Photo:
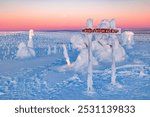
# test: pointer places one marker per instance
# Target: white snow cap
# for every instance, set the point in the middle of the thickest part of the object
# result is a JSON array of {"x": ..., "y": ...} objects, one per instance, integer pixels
[
  {"x": 79, "y": 41},
  {"x": 30, "y": 41},
  {"x": 113, "y": 23},
  {"x": 89, "y": 23},
  {"x": 21, "y": 45},
  {"x": 129, "y": 33},
  {"x": 31, "y": 32},
  {"x": 24, "y": 51},
  {"x": 107, "y": 24},
  {"x": 127, "y": 38},
  {"x": 104, "y": 24}
]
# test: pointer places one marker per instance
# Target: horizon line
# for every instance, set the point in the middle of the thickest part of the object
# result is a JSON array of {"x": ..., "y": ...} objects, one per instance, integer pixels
[{"x": 147, "y": 28}]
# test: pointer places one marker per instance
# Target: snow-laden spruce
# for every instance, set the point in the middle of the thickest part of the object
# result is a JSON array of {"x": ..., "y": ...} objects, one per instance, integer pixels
[
  {"x": 26, "y": 51},
  {"x": 127, "y": 38},
  {"x": 101, "y": 47}
]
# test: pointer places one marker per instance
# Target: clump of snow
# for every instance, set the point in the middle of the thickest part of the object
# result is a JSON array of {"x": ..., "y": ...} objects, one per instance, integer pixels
[
  {"x": 66, "y": 55},
  {"x": 112, "y": 23},
  {"x": 54, "y": 49},
  {"x": 127, "y": 38},
  {"x": 104, "y": 24},
  {"x": 80, "y": 42},
  {"x": 26, "y": 51},
  {"x": 102, "y": 51},
  {"x": 101, "y": 46},
  {"x": 107, "y": 24},
  {"x": 49, "y": 50},
  {"x": 81, "y": 61},
  {"x": 75, "y": 77},
  {"x": 142, "y": 74},
  {"x": 114, "y": 87},
  {"x": 30, "y": 41},
  {"x": 119, "y": 51},
  {"x": 89, "y": 23}
]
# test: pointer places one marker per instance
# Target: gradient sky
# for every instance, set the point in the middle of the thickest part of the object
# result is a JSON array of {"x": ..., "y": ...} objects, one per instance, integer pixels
[{"x": 71, "y": 14}]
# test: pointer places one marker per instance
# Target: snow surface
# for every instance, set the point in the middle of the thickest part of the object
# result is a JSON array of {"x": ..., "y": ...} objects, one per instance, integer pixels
[{"x": 40, "y": 77}]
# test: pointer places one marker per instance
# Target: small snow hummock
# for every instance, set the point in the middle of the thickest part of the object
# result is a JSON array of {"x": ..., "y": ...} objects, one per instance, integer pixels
[
  {"x": 142, "y": 74},
  {"x": 26, "y": 51}
]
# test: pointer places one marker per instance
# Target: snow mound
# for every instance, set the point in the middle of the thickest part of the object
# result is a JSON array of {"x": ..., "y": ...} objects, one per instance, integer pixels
[{"x": 24, "y": 51}]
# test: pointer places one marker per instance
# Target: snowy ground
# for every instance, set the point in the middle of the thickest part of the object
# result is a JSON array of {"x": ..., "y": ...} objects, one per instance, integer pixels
[{"x": 39, "y": 77}]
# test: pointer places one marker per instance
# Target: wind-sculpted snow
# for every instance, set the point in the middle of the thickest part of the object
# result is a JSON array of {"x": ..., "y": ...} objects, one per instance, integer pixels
[{"x": 40, "y": 77}]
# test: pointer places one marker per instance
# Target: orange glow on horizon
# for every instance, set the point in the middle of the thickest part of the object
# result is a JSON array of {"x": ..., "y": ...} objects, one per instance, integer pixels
[{"x": 58, "y": 14}]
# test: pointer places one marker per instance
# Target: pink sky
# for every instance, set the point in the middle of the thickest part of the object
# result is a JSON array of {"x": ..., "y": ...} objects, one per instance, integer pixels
[{"x": 72, "y": 14}]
